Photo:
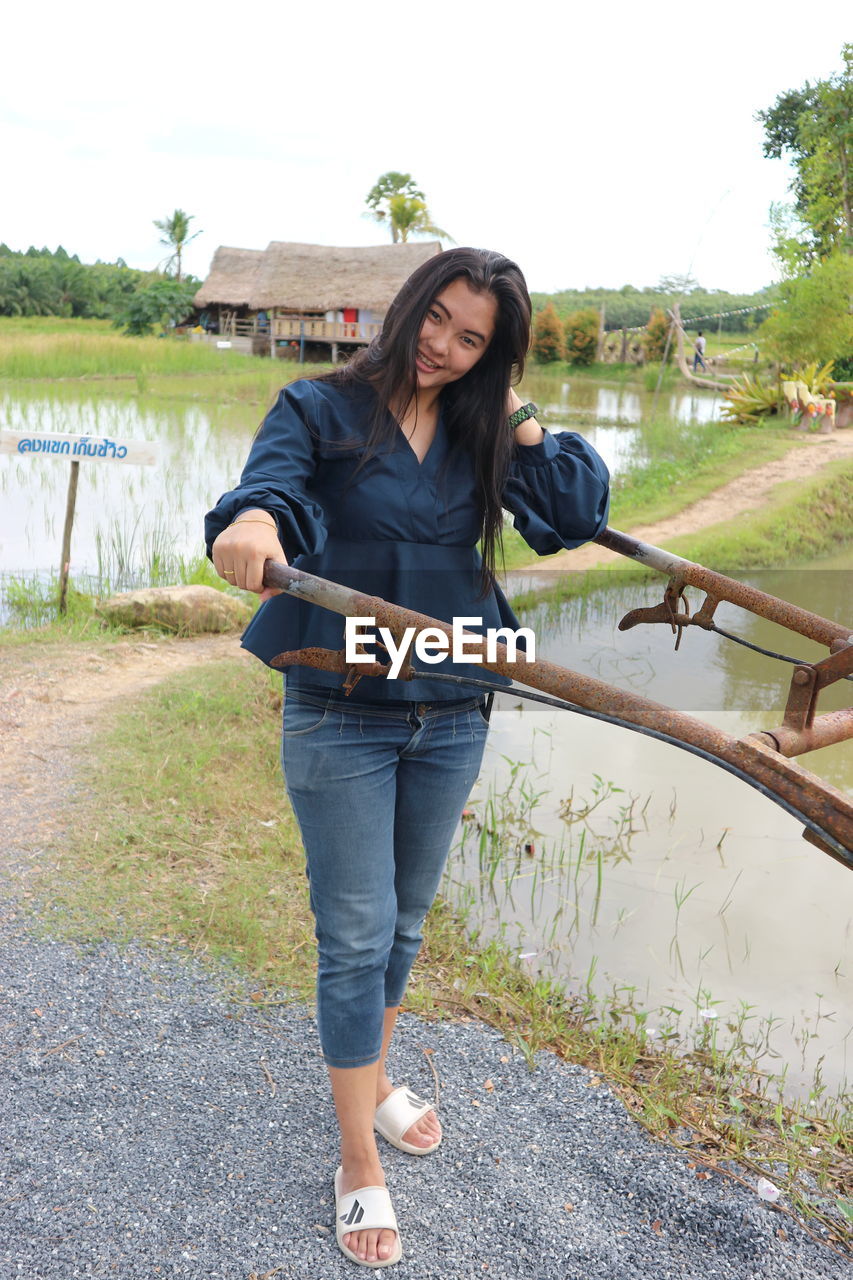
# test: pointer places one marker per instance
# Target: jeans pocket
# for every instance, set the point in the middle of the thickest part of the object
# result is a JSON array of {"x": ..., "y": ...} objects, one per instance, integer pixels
[
  {"x": 480, "y": 711},
  {"x": 302, "y": 718}
]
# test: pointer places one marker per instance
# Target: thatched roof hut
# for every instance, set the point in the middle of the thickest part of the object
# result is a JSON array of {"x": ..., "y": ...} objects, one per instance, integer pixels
[
  {"x": 232, "y": 277},
  {"x": 300, "y": 278}
]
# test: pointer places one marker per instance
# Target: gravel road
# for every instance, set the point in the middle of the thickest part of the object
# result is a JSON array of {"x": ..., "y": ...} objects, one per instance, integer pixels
[{"x": 155, "y": 1127}]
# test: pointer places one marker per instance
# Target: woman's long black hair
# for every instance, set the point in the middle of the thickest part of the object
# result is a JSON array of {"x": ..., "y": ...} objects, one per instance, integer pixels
[{"x": 475, "y": 407}]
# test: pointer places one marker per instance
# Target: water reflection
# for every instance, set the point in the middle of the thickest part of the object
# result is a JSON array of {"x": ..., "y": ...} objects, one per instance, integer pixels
[
  {"x": 609, "y": 415},
  {"x": 764, "y": 918},
  {"x": 575, "y": 400}
]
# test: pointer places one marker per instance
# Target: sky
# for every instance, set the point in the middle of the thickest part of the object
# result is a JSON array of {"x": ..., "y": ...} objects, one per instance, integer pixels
[{"x": 598, "y": 145}]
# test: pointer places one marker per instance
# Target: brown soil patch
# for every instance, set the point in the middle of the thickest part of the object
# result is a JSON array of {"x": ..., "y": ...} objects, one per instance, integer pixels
[
  {"x": 52, "y": 698},
  {"x": 748, "y": 492}
]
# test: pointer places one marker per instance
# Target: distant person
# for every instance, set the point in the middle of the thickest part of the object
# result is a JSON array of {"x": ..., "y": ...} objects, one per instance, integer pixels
[{"x": 699, "y": 352}]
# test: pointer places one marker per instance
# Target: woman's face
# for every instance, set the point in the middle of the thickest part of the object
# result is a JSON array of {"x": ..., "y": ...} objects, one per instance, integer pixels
[{"x": 457, "y": 328}]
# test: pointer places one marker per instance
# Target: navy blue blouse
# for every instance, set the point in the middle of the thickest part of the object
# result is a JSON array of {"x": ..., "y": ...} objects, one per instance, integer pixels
[{"x": 397, "y": 528}]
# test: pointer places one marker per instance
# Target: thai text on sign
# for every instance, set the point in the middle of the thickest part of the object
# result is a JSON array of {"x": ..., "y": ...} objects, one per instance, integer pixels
[{"x": 79, "y": 448}]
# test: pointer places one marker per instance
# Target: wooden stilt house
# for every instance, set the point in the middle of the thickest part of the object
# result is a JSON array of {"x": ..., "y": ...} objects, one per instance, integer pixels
[
  {"x": 289, "y": 295},
  {"x": 223, "y": 299}
]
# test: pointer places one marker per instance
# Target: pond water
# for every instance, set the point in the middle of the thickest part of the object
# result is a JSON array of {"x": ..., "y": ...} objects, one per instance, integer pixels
[
  {"x": 704, "y": 896},
  {"x": 610, "y": 415},
  {"x": 691, "y": 892},
  {"x": 202, "y": 450}
]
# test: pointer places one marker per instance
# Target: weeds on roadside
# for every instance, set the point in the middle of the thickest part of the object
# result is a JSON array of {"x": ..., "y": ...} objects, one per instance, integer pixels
[
  {"x": 31, "y": 601},
  {"x": 688, "y": 1073}
]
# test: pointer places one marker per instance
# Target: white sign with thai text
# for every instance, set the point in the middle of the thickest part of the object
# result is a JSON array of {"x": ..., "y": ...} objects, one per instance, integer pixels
[{"x": 143, "y": 453}]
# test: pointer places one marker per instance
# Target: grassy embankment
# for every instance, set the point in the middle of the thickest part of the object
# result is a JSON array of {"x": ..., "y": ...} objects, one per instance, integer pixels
[
  {"x": 802, "y": 521},
  {"x": 53, "y": 348},
  {"x": 678, "y": 465},
  {"x": 94, "y": 353}
]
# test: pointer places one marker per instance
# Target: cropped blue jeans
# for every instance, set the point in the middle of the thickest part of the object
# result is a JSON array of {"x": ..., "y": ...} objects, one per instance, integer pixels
[{"x": 377, "y": 791}]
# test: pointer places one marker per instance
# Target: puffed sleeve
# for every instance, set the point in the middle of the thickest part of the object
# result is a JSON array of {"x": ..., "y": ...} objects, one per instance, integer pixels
[
  {"x": 276, "y": 476},
  {"x": 558, "y": 491}
]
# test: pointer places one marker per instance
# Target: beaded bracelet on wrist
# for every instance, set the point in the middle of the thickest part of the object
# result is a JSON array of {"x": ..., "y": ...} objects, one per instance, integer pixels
[{"x": 526, "y": 411}]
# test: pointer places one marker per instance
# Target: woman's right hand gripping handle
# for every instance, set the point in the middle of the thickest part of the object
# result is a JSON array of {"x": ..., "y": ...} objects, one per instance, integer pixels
[{"x": 240, "y": 551}]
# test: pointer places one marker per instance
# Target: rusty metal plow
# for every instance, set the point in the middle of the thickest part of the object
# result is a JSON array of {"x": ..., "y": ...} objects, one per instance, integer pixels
[{"x": 759, "y": 759}]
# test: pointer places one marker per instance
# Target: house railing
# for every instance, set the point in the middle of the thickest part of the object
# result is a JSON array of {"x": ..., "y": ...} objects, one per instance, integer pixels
[
  {"x": 294, "y": 328},
  {"x": 231, "y": 327},
  {"x": 297, "y": 328}
]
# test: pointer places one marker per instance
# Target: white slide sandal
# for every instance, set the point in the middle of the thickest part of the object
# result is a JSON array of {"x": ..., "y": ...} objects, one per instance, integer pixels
[
  {"x": 367, "y": 1209},
  {"x": 400, "y": 1110}
]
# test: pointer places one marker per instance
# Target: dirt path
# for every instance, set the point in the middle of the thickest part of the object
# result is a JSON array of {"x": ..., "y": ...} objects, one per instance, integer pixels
[
  {"x": 52, "y": 699},
  {"x": 748, "y": 492}
]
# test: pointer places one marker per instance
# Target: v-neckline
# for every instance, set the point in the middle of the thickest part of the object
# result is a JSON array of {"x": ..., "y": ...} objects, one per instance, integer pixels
[{"x": 421, "y": 462}]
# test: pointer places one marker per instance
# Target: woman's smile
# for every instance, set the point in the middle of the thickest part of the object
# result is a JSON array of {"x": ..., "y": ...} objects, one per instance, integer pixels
[
  {"x": 428, "y": 365},
  {"x": 456, "y": 330}
]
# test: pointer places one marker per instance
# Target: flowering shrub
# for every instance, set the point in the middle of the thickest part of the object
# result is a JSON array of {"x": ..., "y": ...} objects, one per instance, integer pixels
[
  {"x": 581, "y": 336},
  {"x": 654, "y": 339},
  {"x": 547, "y": 335}
]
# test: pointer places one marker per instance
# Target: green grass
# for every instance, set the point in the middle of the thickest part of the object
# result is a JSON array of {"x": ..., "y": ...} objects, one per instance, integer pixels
[
  {"x": 31, "y": 601},
  {"x": 50, "y": 349},
  {"x": 168, "y": 852},
  {"x": 103, "y": 354},
  {"x": 158, "y": 849},
  {"x": 622, "y": 374},
  {"x": 29, "y": 326},
  {"x": 679, "y": 464},
  {"x": 802, "y": 521},
  {"x": 683, "y": 463}
]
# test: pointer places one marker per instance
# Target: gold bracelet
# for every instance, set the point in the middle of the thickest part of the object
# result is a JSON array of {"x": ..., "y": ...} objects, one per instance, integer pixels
[{"x": 254, "y": 520}]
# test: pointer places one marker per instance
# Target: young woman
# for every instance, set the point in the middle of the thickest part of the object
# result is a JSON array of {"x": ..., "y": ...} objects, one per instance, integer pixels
[{"x": 385, "y": 476}]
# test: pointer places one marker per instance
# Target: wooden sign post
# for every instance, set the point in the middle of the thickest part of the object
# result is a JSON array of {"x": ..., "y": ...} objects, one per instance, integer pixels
[{"x": 77, "y": 448}]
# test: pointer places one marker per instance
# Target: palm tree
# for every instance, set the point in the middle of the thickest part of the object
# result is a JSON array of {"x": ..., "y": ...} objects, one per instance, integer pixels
[
  {"x": 176, "y": 237},
  {"x": 395, "y": 200},
  {"x": 409, "y": 216},
  {"x": 384, "y": 190}
]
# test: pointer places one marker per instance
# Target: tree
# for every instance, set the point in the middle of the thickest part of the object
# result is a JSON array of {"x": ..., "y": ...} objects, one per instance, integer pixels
[
  {"x": 176, "y": 236},
  {"x": 816, "y": 322},
  {"x": 410, "y": 217},
  {"x": 158, "y": 305},
  {"x": 547, "y": 345},
  {"x": 678, "y": 286},
  {"x": 813, "y": 126},
  {"x": 654, "y": 339},
  {"x": 395, "y": 200},
  {"x": 581, "y": 336}
]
